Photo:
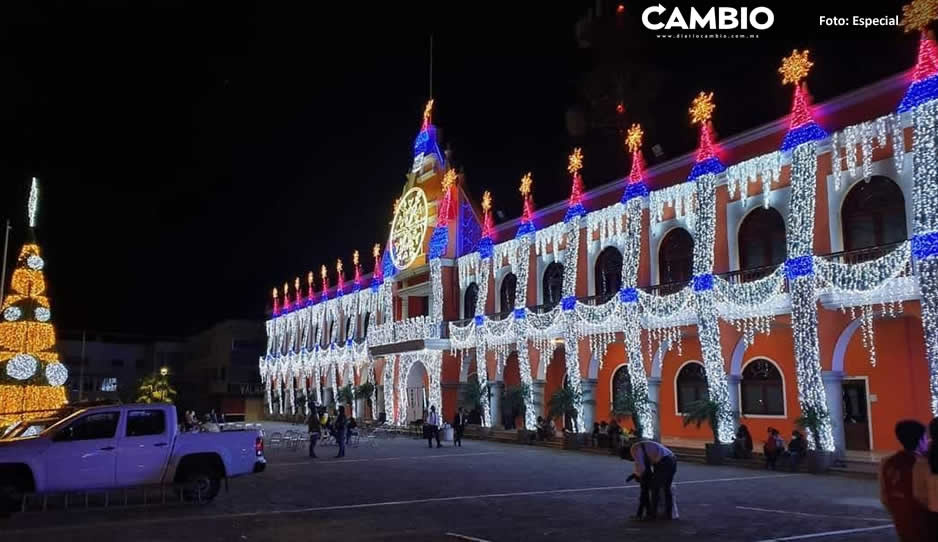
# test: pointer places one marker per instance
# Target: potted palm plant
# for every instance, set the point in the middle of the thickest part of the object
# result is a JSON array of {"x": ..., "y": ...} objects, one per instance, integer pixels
[
  {"x": 366, "y": 390},
  {"x": 629, "y": 404},
  {"x": 708, "y": 411},
  {"x": 516, "y": 399},
  {"x": 812, "y": 419},
  {"x": 346, "y": 395}
]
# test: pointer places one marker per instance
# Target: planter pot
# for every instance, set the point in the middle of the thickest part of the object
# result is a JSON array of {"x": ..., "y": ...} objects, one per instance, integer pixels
[
  {"x": 574, "y": 441},
  {"x": 716, "y": 452},
  {"x": 447, "y": 434},
  {"x": 818, "y": 462}
]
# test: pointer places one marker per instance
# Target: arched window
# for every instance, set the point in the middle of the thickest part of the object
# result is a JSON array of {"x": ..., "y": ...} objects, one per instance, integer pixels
[
  {"x": 507, "y": 292},
  {"x": 608, "y": 273},
  {"x": 761, "y": 389},
  {"x": 469, "y": 301},
  {"x": 621, "y": 385},
  {"x": 761, "y": 241},
  {"x": 691, "y": 385},
  {"x": 873, "y": 214},
  {"x": 365, "y": 324},
  {"x": 676, "y": 257},
  {"x": 553, "y": 284}
]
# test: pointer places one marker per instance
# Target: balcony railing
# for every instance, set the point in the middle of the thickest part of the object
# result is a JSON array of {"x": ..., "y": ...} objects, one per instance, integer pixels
[
  {"x": 861, "y": 255},
  {"x": 749, "y": 274}
]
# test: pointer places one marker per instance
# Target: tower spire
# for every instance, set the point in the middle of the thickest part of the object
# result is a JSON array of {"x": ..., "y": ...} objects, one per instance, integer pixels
[
  {"x": 795, "y": 68},
  {"x": 916, "y": 16},
  {"x": 575, "y": 205},
  {"x": 706, "y": 161},
  {"x": 635, "y": 188}
]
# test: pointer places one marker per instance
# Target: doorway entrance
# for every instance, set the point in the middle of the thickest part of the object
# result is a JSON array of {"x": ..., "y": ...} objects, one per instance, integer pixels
[
  {"x": 856, "y": 414},
  {"x": 416, "y": 392}
]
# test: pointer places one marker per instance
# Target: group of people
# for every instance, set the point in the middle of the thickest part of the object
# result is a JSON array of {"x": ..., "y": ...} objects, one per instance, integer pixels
[
  {"x": 908, "y": 482},
  {"x": 773, "y": 447},
  {"x": 609, "y": 435},
  {"x": 340, "y": 427},
  {"x": 432, "y": 426}
]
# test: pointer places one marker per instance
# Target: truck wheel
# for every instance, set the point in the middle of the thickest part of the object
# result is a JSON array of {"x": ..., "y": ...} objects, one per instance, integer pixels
[
  {"x": 10, "y": 496},
  {"x": 201, "y": 485}
]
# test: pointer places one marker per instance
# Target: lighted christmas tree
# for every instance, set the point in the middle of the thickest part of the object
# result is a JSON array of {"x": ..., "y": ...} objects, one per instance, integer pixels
[
  {"x": 488, "y": 227},
  {"x": 636, "y": 186},
  {"x": 916, "y": 16},
  {"x": 802, "y": 128},
  {"x": 32, "y": 378},
  {"x": 706, "y": 161},
  {"x": 575, "y": 205},
  {"x": 527, "y": 214}
]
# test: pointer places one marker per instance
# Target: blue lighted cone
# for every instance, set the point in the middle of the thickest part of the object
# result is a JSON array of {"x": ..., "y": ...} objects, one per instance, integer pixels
[{"x": 806, "y": 132}]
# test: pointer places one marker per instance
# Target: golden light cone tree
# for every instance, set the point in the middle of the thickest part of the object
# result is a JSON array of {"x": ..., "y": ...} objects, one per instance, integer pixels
[{"x": 31, "y": 376}]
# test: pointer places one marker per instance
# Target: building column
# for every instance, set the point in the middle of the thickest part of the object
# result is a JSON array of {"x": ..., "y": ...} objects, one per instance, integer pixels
[
  {"x": 732, "y": 384},
  {"x": 588, "y": 387},
  {"x": 537, "y": 397},
  {"x": 834, "y": 392},
  {"x": 654, "y": 395},
  {"x": 496, "y": 389}
]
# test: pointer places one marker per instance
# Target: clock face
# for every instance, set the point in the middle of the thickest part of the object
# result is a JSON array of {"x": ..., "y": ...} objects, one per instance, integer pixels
[{"x": 408, "y": 228}]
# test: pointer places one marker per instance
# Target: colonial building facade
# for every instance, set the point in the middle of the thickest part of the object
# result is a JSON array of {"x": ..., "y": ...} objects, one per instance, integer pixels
[{"x": 781, "y": 271}]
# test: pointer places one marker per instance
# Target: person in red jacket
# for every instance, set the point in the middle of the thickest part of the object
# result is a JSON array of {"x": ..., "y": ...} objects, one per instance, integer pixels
[{"x": 896, "y": 487}]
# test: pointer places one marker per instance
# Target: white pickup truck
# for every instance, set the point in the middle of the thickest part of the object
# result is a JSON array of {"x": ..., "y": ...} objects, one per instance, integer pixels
[{"x": 123, "y": 446}]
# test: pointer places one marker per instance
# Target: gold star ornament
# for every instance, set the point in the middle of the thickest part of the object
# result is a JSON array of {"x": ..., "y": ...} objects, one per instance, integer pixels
[
  {"x": 918, "y": 14},
  {"x": 576, "y": 161},
  {"x": 338, "y": 266},
  {"x": 376, "y": 251},
  {"x": 526, "y": 183},
  {"x": 795, "y": 67},
  {"x": 323, "y": 273},
  {"x": 487, "y": 201},
  {"x": 701, "y": 109},
  {"x": 633, "y": 140},
  {"x": 355, "y": 258}
]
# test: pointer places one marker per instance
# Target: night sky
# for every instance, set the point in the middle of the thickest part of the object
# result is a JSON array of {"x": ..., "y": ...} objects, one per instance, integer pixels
[{"x": 193, "y": 155}]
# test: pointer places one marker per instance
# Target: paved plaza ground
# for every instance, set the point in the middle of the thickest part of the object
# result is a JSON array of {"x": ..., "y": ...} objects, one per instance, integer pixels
[{"x": 401, "y": 490}]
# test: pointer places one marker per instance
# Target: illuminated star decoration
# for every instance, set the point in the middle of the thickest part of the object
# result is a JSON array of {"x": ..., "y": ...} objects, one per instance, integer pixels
[
  {"x": 296, "y": 293},
  {"x": 286, "y": 298},
  {"x": 276, "y": 303},
  {"x": 488, "y": 227},
  {"x": 802, "y": 127},
  {"x": 701, "y": 110},
  {"x": 340, "y": 288},
  {"x": 924, "y": 88},
  {"x": 795, "y": 67},
  {"x": 32, "y": 207},
  {"x": 575, "y": 207},
  {"x": 918, "y": 14},
  {"x": 636, "y": 187},
  {"x": 706, "y": 161},
  {"x": 527, "y": 213},
  {"x": 575, "y": 162}
]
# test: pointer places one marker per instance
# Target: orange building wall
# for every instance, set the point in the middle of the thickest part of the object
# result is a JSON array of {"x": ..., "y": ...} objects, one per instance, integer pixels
[{"x": 899, "y": 380}]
